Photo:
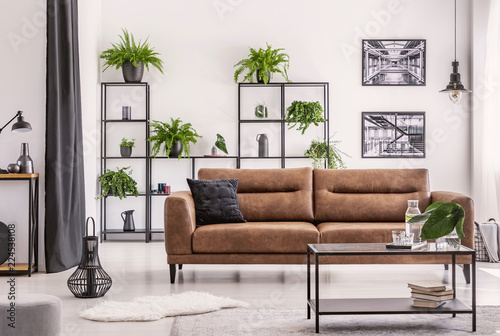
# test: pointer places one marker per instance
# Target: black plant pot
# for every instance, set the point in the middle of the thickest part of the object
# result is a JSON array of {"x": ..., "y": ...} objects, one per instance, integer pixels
[
  {"x": 132, "y": 74},
  {"x": 125, "y": 151},
  {"x": 176, "y": 149},
  {"x": 261, "y": 81}
]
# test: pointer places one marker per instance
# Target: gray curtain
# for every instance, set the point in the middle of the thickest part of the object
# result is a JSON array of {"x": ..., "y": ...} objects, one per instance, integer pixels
[{"x": 64, "y": 182}]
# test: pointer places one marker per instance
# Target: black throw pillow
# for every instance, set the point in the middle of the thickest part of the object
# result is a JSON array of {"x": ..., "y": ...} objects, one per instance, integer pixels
[{"x": 215, "y": 201}]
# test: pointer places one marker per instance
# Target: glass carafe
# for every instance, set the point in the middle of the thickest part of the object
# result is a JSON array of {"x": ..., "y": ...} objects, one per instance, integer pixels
[{"x": 411, "y": 212}]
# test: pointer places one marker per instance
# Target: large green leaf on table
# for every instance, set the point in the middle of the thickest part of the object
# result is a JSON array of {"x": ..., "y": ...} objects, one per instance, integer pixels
[{"x": 442, "y": 218}]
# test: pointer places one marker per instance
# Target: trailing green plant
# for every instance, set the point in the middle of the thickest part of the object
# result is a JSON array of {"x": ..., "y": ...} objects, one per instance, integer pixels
[
  {"x": 304, "y": 113},
  {"x": 318, "y": 151},
  {"x": 439, "y": 219},
  {"x": 266, "y": 61},
  {"x": 118, "y": 182},
  {"x": 221, "y": 143},
  {"x": 165, "y": 135},
  {"x": 128, "y": 51},
  {"x": 127, "y": 143}
]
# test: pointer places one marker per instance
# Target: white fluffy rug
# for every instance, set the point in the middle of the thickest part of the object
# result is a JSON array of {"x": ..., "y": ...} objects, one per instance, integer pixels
[{"x": 150, "y": 308}]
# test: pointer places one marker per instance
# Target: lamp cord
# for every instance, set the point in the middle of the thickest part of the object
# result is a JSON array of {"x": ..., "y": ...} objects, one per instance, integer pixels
[{"x": 455, "y": 30}]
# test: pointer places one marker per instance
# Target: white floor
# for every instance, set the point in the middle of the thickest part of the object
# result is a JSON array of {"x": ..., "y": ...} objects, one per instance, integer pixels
[{"x": 139, "y": 269}]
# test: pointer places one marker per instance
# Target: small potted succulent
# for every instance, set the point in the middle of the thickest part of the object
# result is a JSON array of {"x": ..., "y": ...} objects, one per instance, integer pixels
[
  {"x": 318, "y": 151},
  {"x": 131, "y": 57},
  {"x": 175, "y": 138},
  {"x": 264, "y": 63},
  {"x": 126, "y": 147},
  {"x": 118, "y": 183},
  {"x": 260, "y": 111},
  {"x": 304, "y": 113}
]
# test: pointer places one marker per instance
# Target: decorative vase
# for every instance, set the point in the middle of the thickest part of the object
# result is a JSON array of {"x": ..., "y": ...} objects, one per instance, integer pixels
[
  {"x": 450, "y": 242},
  {"x": 125, "y": 151},
  {"x": 263, "y": 145},
  {"x": 128, "y": 220},
  {"x": 89, "y": 280},
  {"x": 126, "y": 112},
  {"x": 176, "y": 149},
  {"x": 24, "y": 161},
  {"x": 13, "y": 168},
  {"x": 260, "y": 81},
  {"x": 261, "y": 111},
  {"x": 132, "y": 74}
]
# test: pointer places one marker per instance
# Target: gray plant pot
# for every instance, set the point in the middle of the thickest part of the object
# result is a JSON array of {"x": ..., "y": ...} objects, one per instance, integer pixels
[
  {"x": 132, "y": 74},
  {"x": 125, "y": 151},
  {"x": 176, "y": 149}
]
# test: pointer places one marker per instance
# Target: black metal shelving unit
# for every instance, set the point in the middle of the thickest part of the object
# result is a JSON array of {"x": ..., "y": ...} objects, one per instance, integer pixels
[
  {"x": 283, "y": 86},
  {"x": 146, "y": 194}
]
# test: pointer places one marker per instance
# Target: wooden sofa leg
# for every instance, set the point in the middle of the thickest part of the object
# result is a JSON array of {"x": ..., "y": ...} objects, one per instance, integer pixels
[
  {"x": 467, "y": 273},
  {"x": 180, "y": 266},
  {"x": 172, "y": 273},
  {"x": 446, "y": 267}
]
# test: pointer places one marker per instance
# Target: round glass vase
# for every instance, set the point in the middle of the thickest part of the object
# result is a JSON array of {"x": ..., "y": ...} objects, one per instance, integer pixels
[{"x": 450, "y": 242}]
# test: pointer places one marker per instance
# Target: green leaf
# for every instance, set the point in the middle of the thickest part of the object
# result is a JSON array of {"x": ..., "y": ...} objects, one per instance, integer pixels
[
  {"x": 443, "y": 218},
  {"x": 221, "y": 143},
  {"x": 304, "y": 113},
  {"x": 119, "y": 182}
]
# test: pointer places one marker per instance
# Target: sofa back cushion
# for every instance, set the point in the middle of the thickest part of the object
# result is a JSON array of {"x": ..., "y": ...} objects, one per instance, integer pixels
[
  {"x": 270, "y": 194},
  {"x": 368, "y": 195}
]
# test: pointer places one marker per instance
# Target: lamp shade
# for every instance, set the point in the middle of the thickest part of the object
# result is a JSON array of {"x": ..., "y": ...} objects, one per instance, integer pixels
[
  {"x": 455, "y": 88},
  {"x": 21, "y": 125}
]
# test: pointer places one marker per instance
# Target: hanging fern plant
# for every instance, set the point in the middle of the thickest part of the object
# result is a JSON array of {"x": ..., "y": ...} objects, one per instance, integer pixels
[
  {"x": 304, "y": 113},
  {"x": 319, "y": 150}
]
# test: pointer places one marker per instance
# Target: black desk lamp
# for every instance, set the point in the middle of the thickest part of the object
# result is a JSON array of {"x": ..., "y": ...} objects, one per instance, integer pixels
[{"x": 19, "y": 126}]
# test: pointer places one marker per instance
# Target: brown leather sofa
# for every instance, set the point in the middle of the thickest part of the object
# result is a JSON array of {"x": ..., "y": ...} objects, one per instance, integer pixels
[{"x": 286, "y": 209}]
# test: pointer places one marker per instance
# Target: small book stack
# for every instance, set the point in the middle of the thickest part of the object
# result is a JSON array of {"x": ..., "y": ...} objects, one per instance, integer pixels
[{"x": 429, "y": 295}]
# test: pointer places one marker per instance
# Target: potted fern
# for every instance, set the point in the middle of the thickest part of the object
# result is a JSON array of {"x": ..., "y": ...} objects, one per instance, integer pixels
[
  {"x": 118, "y": 183},
  {"x": 175, "y": 138},
  {"x": 304, "y": 113},
  {"x": 319, "y": 150},
  {"x": 131, "y": 57},
  {"x": 264, "y": 63},
  {"x": 126, "y": 147}
]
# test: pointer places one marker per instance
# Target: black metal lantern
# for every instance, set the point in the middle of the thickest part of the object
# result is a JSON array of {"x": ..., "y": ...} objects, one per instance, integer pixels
[{"x": 89, "y": 280}]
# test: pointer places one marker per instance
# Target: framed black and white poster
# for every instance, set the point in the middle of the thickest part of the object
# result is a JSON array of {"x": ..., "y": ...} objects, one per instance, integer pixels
[
  {"x": 394, "y": 62},
  {"x": 393, "y": 135}
]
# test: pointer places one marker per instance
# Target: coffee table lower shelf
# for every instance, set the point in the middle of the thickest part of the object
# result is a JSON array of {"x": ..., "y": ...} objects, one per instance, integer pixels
[{"x": 376, "y": 306}]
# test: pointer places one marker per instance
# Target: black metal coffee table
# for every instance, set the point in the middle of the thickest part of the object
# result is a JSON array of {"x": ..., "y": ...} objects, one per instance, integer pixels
[{"x": 383, "y": 305}]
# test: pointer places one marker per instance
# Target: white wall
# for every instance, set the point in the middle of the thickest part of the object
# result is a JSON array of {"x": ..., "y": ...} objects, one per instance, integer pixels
[{"x": 23, "y": 48}]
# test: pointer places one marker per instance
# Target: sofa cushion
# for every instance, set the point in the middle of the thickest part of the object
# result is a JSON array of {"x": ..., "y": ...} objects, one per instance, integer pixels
[
  {"x": 215, "y": 201},
  {"x": 353, "y": 232},
  {"x": 255, "y": 237},
  {"x": 270, "y": 194},
  {"x": 368, "y": 195}
]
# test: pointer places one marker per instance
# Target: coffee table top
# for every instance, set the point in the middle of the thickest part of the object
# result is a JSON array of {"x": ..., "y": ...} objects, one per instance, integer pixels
[{"x": 378, "y": 249}]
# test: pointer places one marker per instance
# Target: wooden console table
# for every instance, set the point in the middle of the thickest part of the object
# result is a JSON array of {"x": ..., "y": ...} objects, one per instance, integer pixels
[{"x": 32, "y": 265}]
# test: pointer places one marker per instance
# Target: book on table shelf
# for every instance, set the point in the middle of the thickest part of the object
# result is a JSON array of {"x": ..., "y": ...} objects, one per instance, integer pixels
[
  {"x": 427, "y": 286},
  {"x": 438, "y": 293},
  {"x": 437, "y": 298},
  {"x": 427, "y": 303}
]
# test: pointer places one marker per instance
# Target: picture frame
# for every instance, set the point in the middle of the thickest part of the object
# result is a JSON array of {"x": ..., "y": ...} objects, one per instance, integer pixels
[
  {"x": 393, "y": 135},
  {"x": 393, "y": 62}
]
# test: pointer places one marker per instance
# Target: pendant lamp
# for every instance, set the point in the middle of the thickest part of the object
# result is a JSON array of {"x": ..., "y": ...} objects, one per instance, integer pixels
[{"x": 455, "y": 88}]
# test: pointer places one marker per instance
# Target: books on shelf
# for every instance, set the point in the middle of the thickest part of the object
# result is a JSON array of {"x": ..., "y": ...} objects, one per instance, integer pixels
[
  {"x": 432, "y": 297},
  {"x": 427, "y": 303},
  {"x": 427, "y": 286},
  {"x": 429, "y": 294}
]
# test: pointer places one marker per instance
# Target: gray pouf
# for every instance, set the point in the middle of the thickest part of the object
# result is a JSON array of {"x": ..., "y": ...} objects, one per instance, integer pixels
[{"x": 35, "y": 314}]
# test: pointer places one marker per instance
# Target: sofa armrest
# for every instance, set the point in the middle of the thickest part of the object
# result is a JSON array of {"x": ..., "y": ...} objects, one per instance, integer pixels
[
  {"x": 180, "y": 222},
  {"x": 466, "y": 203}
]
